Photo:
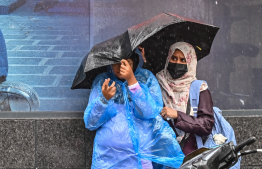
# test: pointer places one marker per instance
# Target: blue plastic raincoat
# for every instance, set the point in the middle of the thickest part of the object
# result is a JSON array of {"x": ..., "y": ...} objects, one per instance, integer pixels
[
  {"x": 129, "y": 127},
  {"x": 3, "y": 56}
]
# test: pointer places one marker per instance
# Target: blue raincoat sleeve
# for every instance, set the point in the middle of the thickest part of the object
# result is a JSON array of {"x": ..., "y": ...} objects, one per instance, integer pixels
[
  {"x": 99, "y": 110},
  {"x": 147, "y": 102}
]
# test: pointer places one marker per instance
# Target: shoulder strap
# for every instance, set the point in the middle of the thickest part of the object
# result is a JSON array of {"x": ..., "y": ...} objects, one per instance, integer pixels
[
  {"x": 194, "y": 100},
  {"x": 194, "y": 94}
]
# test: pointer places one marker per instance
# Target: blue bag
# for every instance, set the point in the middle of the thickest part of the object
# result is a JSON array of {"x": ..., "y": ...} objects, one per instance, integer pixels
[{"x": 221, "y": 126}]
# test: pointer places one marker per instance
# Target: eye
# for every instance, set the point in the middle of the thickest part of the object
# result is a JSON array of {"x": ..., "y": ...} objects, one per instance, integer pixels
[
  {"x": 183, "y": 60},
  {"x": 174, "y": 58},
  {"x": 130, "y": 63},
  {"x": 115, "y": 66}
]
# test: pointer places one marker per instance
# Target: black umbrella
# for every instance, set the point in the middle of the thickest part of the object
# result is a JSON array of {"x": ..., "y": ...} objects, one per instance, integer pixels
[{"x": 155, "y": 35}]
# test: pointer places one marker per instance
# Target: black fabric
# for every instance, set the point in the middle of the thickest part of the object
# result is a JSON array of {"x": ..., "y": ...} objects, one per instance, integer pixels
[
  {"x": 135, "y": 58},
  {"x": 176, "y": 70},
  {"x": 188, "y": 107},
  {"x": 99, "y": 57}
]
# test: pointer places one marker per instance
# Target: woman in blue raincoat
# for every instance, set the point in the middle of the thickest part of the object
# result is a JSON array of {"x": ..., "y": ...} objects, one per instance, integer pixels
[{"x": 124, "y": 108}]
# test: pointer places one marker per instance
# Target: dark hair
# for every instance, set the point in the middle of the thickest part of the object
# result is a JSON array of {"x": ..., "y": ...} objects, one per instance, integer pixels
[{"x": 135, "y": 58}]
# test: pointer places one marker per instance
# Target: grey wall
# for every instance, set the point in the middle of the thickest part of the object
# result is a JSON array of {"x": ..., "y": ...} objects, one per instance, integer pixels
[
  {"x": 110, "y": 18},
  {"x": 233, "y": 67},
  {"x": 46, "y": 143},
  {"x": 235, "y": 62},
  {"x": 63, "y": 142}
]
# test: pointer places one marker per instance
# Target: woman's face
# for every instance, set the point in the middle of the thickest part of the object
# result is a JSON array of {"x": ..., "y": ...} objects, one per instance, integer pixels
[
  {"x": 178, "y": 57},
  {"x": 116, "y": 68}
]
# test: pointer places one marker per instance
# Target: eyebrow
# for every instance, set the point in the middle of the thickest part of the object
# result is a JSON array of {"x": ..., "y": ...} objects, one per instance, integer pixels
[{"x": 183, "y": 56}]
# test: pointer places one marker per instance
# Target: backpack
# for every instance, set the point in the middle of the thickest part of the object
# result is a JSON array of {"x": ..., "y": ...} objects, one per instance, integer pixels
[{"x": 221, "y": 126}]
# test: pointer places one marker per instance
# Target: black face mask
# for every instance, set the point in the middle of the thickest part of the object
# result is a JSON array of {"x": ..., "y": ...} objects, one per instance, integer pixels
[{"x": 176, "y": 70}]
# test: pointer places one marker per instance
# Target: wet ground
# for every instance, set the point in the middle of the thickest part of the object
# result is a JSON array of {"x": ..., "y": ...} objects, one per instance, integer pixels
[{"x": 44, "y": 51}]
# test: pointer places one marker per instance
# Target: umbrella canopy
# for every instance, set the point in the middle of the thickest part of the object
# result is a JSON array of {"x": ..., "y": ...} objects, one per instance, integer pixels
[{"x": 155, "y": 35}]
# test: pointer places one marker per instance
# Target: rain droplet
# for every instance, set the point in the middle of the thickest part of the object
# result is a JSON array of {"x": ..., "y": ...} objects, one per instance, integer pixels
[{"x": 242, "y": 101}]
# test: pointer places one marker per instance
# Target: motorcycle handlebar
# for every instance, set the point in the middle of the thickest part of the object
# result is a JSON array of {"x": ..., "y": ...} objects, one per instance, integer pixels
[{"x": 247, "y": 142}]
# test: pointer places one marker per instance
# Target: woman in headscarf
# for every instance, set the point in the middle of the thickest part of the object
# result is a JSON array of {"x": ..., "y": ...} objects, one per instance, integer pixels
[{"x": 175, "y": 81}]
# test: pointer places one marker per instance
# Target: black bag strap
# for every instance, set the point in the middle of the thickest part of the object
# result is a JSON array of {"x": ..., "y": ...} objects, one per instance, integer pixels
[{"x": 188, "y": 107}]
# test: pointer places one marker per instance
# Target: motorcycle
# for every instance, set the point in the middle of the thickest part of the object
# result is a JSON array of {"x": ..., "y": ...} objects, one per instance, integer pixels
[{"x": 222, "y": 157}]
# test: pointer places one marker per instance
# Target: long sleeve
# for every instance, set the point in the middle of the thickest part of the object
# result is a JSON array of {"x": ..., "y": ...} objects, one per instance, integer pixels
[
  {"x": 203, "y": 124},
  {"x": 147, "y": 101},
  {"x": 99, "y": 110}
]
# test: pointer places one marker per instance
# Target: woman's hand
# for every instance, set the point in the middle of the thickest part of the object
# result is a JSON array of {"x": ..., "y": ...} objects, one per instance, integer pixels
[
  {"x": 127, "y": 72},
  {"x": 107, "y": 91},
  {"x": 168, "y": 113}
]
